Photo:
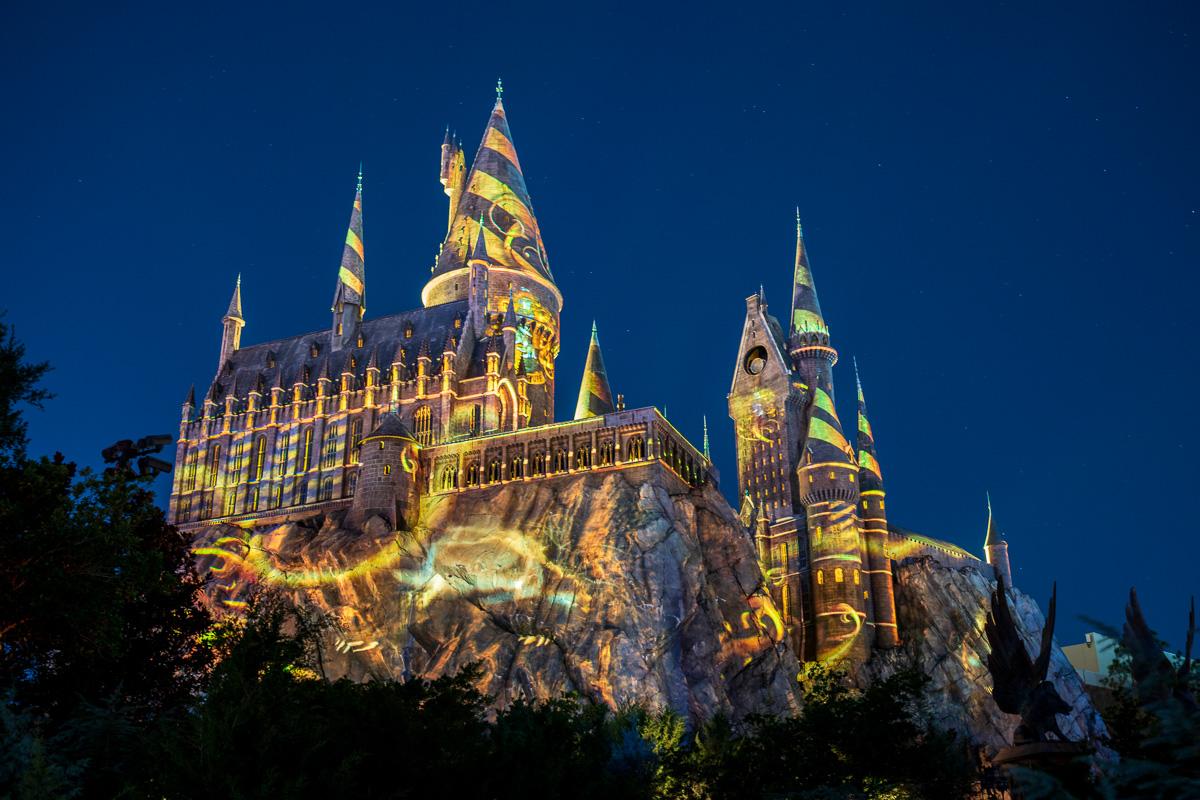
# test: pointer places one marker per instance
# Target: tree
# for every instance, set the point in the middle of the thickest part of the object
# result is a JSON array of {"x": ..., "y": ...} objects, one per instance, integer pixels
[{"x": 18, "y": 387}]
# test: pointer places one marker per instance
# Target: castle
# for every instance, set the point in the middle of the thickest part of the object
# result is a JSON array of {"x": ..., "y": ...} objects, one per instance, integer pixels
[{"x": 371, "y": 415}]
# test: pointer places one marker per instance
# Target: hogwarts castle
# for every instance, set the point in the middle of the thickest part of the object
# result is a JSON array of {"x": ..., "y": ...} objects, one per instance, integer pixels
[{"x": 375, "y": 421}]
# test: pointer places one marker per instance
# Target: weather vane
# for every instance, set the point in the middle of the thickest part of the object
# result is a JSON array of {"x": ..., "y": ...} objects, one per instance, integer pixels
[{"x": 499, "y": 89}]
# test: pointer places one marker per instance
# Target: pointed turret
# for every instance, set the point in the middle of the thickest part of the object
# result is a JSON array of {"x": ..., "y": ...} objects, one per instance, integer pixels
[
  {"x": 873, "y": 515},
  {"x": 232, "y": 324},
  {"x": 995, "y": 547},
  {"x": 807, "y": 318},
  {"x": 595, "y": 395},
  {"x": 349, "y": 296},
  {"x": 494, "y": 191},
  {"x": 870, "y": 475},
  {"x": 707, "y": 455}
]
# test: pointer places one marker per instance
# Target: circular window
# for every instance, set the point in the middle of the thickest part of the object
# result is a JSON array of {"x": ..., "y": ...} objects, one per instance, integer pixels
[{"x": 756, "y": 360}]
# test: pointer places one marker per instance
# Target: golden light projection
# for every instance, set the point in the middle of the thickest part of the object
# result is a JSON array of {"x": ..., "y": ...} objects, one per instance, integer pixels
[{"x": 850, "y": 616}]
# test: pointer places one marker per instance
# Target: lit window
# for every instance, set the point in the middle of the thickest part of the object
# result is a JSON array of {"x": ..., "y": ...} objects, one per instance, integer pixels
[
  {"x": 821, "y": 577},
  {"x": 838, "y": 575},
  {"x": 856, "y": 577}
]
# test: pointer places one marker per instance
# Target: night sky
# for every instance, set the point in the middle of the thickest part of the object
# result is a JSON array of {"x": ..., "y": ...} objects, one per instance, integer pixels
[{"x": 1001, "y": 206}]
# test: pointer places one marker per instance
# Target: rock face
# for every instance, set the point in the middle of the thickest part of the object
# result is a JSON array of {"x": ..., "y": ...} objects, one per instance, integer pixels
[
  {"x": 624, "y": 586},
  {"x": 941, "y": 615}
]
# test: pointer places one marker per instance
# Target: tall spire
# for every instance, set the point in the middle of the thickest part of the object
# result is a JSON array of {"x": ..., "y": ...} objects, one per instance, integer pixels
[
  {"x": 994, "y": 536},
  {"x": 351, "y": 284},
  {"x": 495, "y": 192},
  {"x": 707, "y": 455},
  {"x": 235, "y": 302},
  {"x": 826, "y": 442},
  {"x": 870, "y": 476},
  {"x": 595, "y": 395},
  {"x": 807, "y": 319}
]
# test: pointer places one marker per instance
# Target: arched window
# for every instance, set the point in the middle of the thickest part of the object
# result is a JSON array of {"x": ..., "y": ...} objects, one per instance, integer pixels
[
  {"x": 354, "y": 441},
  {"x": 606, "y": 453},
  {"x": 560, "y": 460},
  {"x": 301, "y": 493},
  {"x": 473, "y": 474},
  {"x": 516, "y": 468},
  {"x": 387, "y": 469},
  {"x": 838, "y": 575},
  {"x": 277, "y": 496},
  {"x": 449, "y": 478},
  {"x": 282, "y": 445},
  {"x": 856, "y": 577},
  {"x": 231, "y": 503},
  {"x": 189, "y": 470},
  {"x": 583, "y": 457},
  {"x": 493, "y": 470},
  {"x": 538, "y": 464},
  {"x": 206, "y": 506},
  {"x": 329, "y": 451},
  {"x": 260, "y": 460},
  {"x": 821, "y": 577},
  {"x": 351, "y": 484},
  {"x": 635, "y": 449},
  {"x": 326, "y": 490},
  {"x": 476, "y": 420},
  {"x": 214, "y": 464},
  {"x": 305, "y": 460},
  {"x": 423, "y": 424}
]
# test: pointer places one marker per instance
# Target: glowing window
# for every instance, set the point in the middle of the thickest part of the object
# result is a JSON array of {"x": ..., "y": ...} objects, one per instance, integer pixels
[
  {"x": 387, "y": 469},
  {"x": 423, "y": 423},
  {"x": 855, "y": 577},
  {"x": 821, "y": 577},
  {"x": 838, "y": 575},
  {"x": 230, "y": 503}
]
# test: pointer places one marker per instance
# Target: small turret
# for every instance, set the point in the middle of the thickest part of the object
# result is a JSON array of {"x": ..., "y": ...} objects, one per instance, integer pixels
[
  {"x": 189, "y": 404},
  {"x": 387, "y": 479},
  {"x": 453, "y": 170},
  {"x": 873, "y": 514},
  {"x": 995, "y": 547},
  {"x": 232, "y": 324},
  {"x": 349, "y": 296},
  {"x": 595, "y": 395}
]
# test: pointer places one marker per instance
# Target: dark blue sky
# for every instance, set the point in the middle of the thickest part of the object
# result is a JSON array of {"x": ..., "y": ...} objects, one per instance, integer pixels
[{"x": 1001, "y": 205}]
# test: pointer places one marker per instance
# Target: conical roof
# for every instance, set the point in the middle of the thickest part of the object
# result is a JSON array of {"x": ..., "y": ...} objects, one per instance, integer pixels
[
  {"x": 806, "y": 308},
  {"x": 391, "y": 427},
  {"x": 994, "y": 535},
  {"x": 595, "y": 395},
  {"x": 352, "y": 274},
  {"x": 870, "y": 475},
  {"x": 235, "y": 302},
  {"x": 826, "y": 443},
  {"x": 495, "y": 205}
]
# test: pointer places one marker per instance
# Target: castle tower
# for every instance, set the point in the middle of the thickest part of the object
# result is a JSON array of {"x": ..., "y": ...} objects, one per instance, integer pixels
[
  {"x": 873, "y": 514},
  {"x": 766, "y": 405},
  {"x": 349, "y": 297},
  {"x": 477, "y": 280},
  {"x": 595, "y": 395},
  {"x": 828, "y": 479},
  {"x": 232, "y": 324},
  {"x": 387, "y": 479},
  {"x": 995, "y": 548},
  {"x": 494, "y": 204}
]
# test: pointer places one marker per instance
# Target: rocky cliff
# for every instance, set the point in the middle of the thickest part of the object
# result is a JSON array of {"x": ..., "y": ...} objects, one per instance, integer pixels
[
  {"x": 623, "y": 586},
  {"x": 941, "y": 614}
]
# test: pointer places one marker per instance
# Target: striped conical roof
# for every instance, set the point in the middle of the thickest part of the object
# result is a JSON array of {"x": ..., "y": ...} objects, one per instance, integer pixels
[
  {"x": 806, "y": 308},
  {"x": 496, "y": 197},
  {"x": 870, "y": 476},
  {"x": 352, "y": 274},
  {"x": 826, "y": 443}
]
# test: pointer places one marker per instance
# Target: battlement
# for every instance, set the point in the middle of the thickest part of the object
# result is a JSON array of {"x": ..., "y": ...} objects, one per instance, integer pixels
[{"x": 607, "y": 442}]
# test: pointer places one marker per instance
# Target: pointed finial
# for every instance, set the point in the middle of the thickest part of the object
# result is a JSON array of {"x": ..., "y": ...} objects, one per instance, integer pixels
[
  {"x": 593, "y": 329},
  {"x": 857, "y": 380},
  {"x": 988, "y": 495},
  {"x": 239, "y": 280},
  {"x": 707, "y": 457},
  {"x": 762, "y": 295},
  {"x": 499, "y": 90},
  {"x": 358, "y": 188},
  {"x": 799, "y": 227}
]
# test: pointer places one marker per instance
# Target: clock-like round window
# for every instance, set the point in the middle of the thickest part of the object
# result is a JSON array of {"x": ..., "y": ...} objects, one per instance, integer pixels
[{"x": 756, "y": 360}]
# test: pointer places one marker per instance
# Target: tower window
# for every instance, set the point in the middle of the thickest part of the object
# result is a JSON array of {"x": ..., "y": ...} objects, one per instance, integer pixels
[
  {"x": 838, "y": 574},
  {"x": 821, "y": 577},
  {"x": 756, "y": 360},
  {"x": 856, "y": 577}
]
